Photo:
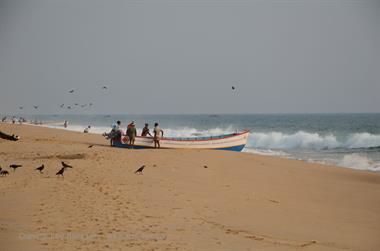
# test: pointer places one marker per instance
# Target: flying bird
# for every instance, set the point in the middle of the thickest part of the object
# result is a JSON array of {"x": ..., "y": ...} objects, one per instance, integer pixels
[
  {"x": 68, "y": 107},
  {"x": 104, "y": 88},
  {"x": 140, "y": 170},
  {"x": 40, "y": 168},
  {"x": 233, "y": 87},
  {"x": 62, "y": 105},
  {"x": 71, "y": 91},
  {"x": 14, "y": 166},
  {"x": 61, "y": 171},
  {"x": 66, "y": 165},
  {"x": 35, "y": 106},
  {"x": 20, "y": 107}
]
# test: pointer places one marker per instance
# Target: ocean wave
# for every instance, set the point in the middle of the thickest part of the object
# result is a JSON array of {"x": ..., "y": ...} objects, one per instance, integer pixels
[
  {"x": 265, "y": 140},
  {"x": 360, "y": 162},
  {"x": 306, "y": 140}
]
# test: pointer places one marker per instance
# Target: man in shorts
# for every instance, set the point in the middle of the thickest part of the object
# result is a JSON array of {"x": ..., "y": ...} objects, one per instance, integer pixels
[{"x": 158, "y": 133}]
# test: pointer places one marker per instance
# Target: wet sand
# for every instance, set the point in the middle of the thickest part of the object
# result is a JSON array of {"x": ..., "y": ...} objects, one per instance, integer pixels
[{"x": 240, "y": 201}]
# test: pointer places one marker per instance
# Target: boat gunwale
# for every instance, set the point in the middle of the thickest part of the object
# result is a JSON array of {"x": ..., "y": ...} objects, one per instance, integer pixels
[{"x": 200, "y": 139}]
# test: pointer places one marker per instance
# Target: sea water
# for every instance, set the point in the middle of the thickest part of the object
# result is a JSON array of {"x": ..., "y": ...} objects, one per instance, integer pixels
[{"x": 347, "y": 140}]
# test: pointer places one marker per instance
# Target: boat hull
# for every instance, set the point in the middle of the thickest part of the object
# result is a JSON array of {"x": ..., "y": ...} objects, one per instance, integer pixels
[{"x": 230, "y": 142}]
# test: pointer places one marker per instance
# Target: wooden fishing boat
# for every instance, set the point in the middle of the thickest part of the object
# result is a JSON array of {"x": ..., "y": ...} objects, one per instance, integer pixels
[{"x": 230, "y": 142}]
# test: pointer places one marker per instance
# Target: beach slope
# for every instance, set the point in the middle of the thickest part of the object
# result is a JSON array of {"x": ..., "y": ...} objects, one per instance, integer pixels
[{"x": 184, "y": 200}]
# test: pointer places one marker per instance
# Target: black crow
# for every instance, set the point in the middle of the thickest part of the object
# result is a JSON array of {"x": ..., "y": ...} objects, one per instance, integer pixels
[
  {"x": 140, "y": 170},
  {"x": 66, "y": 165},
  {"x": 4, "y": 173},
  {"x": 233, "y": 87},
  {"x": 14, "y": 166},
  {"x": 61, "y": 171},
  {"x": 40, "y": 168}
]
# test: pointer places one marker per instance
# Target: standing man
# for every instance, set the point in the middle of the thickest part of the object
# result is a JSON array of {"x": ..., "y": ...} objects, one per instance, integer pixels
[
  {"x": 131, "y": 133},
  {"x": 158, "y": 133}
]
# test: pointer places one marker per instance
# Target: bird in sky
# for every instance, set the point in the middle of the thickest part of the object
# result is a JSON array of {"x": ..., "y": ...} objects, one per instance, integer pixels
[
  {"x": 62, "y": 105},
  {"x": 20, "y": 107},
  {"x": 233, "y": 87},
  {"x": 104, "y": 88},
  {"x": 35, "y": 106},
  {"x": 71, "y": 91}
]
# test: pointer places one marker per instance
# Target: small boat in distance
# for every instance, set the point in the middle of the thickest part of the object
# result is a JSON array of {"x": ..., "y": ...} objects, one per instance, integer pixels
[{"x": 230, "y": 142}]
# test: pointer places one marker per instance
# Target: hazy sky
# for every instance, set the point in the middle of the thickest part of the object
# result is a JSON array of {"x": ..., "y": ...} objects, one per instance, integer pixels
[{"x": 183, "y": 56}]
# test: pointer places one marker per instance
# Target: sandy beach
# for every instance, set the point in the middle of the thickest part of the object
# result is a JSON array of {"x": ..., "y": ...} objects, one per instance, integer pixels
[{"x": 240, "y": 201}]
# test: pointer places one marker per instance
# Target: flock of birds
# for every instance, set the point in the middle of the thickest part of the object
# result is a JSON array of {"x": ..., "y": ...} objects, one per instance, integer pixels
[
  {"x": 40, "y": 169},
  {"x": 69, "y": 106}
]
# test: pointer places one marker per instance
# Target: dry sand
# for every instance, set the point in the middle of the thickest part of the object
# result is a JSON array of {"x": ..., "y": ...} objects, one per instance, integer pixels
[{"x": 240, "y": 202}]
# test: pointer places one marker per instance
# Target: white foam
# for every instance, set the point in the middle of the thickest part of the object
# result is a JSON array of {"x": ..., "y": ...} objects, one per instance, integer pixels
[
  {"x": 363, "y": 140},
  {"x": 360, "y": 162},
  {"x": 301, "y": 139},
  {"x": 306, "y": 140}
]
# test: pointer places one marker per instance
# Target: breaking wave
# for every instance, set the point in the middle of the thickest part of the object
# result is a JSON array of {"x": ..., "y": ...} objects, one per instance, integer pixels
[
  {"x": 306, "y": 140},
  {"x": 360, "y": 162}
]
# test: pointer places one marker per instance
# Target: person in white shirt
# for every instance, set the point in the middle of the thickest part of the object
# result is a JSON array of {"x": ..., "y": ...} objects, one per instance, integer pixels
[{"x": 158, "y": 133}]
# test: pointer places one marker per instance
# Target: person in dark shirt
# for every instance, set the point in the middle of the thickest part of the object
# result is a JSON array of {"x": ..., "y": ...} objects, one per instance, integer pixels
[
  {"x": 145, "y": 131},
  {"x": 131, "y": 133}
]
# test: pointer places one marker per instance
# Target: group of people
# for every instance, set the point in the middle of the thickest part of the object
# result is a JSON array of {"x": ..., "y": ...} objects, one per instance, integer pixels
[{"x": 131, "y": 133}]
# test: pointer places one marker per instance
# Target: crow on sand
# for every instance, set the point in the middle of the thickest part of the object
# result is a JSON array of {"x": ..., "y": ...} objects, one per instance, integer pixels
[
  {"x": 14, "y": 166},
  {"x": 61, "y": 171},
  {"x": 4, "y": 173},
  {"x": 140, "y": 170},
  {"x": 65, "y": 165},
  {"x": 40, "y": 168}
]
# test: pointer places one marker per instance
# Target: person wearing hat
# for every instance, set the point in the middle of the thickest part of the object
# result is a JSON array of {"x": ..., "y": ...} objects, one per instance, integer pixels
[
  {"x": 145, "y": 131},
  {"x": 131, "y": 133}
]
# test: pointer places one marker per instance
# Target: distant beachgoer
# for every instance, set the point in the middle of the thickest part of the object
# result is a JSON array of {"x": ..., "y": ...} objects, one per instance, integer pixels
[
  {"x": 13, "y": 119},
  {"x": 4, "y": 119},
  {"x": 65, "y": 124},
  {"x": 131, "y": 133},
  {"x": 158, "y": 133},
  {"x": 87, "y": 129},
  {"x": 145, "y": 131}
]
